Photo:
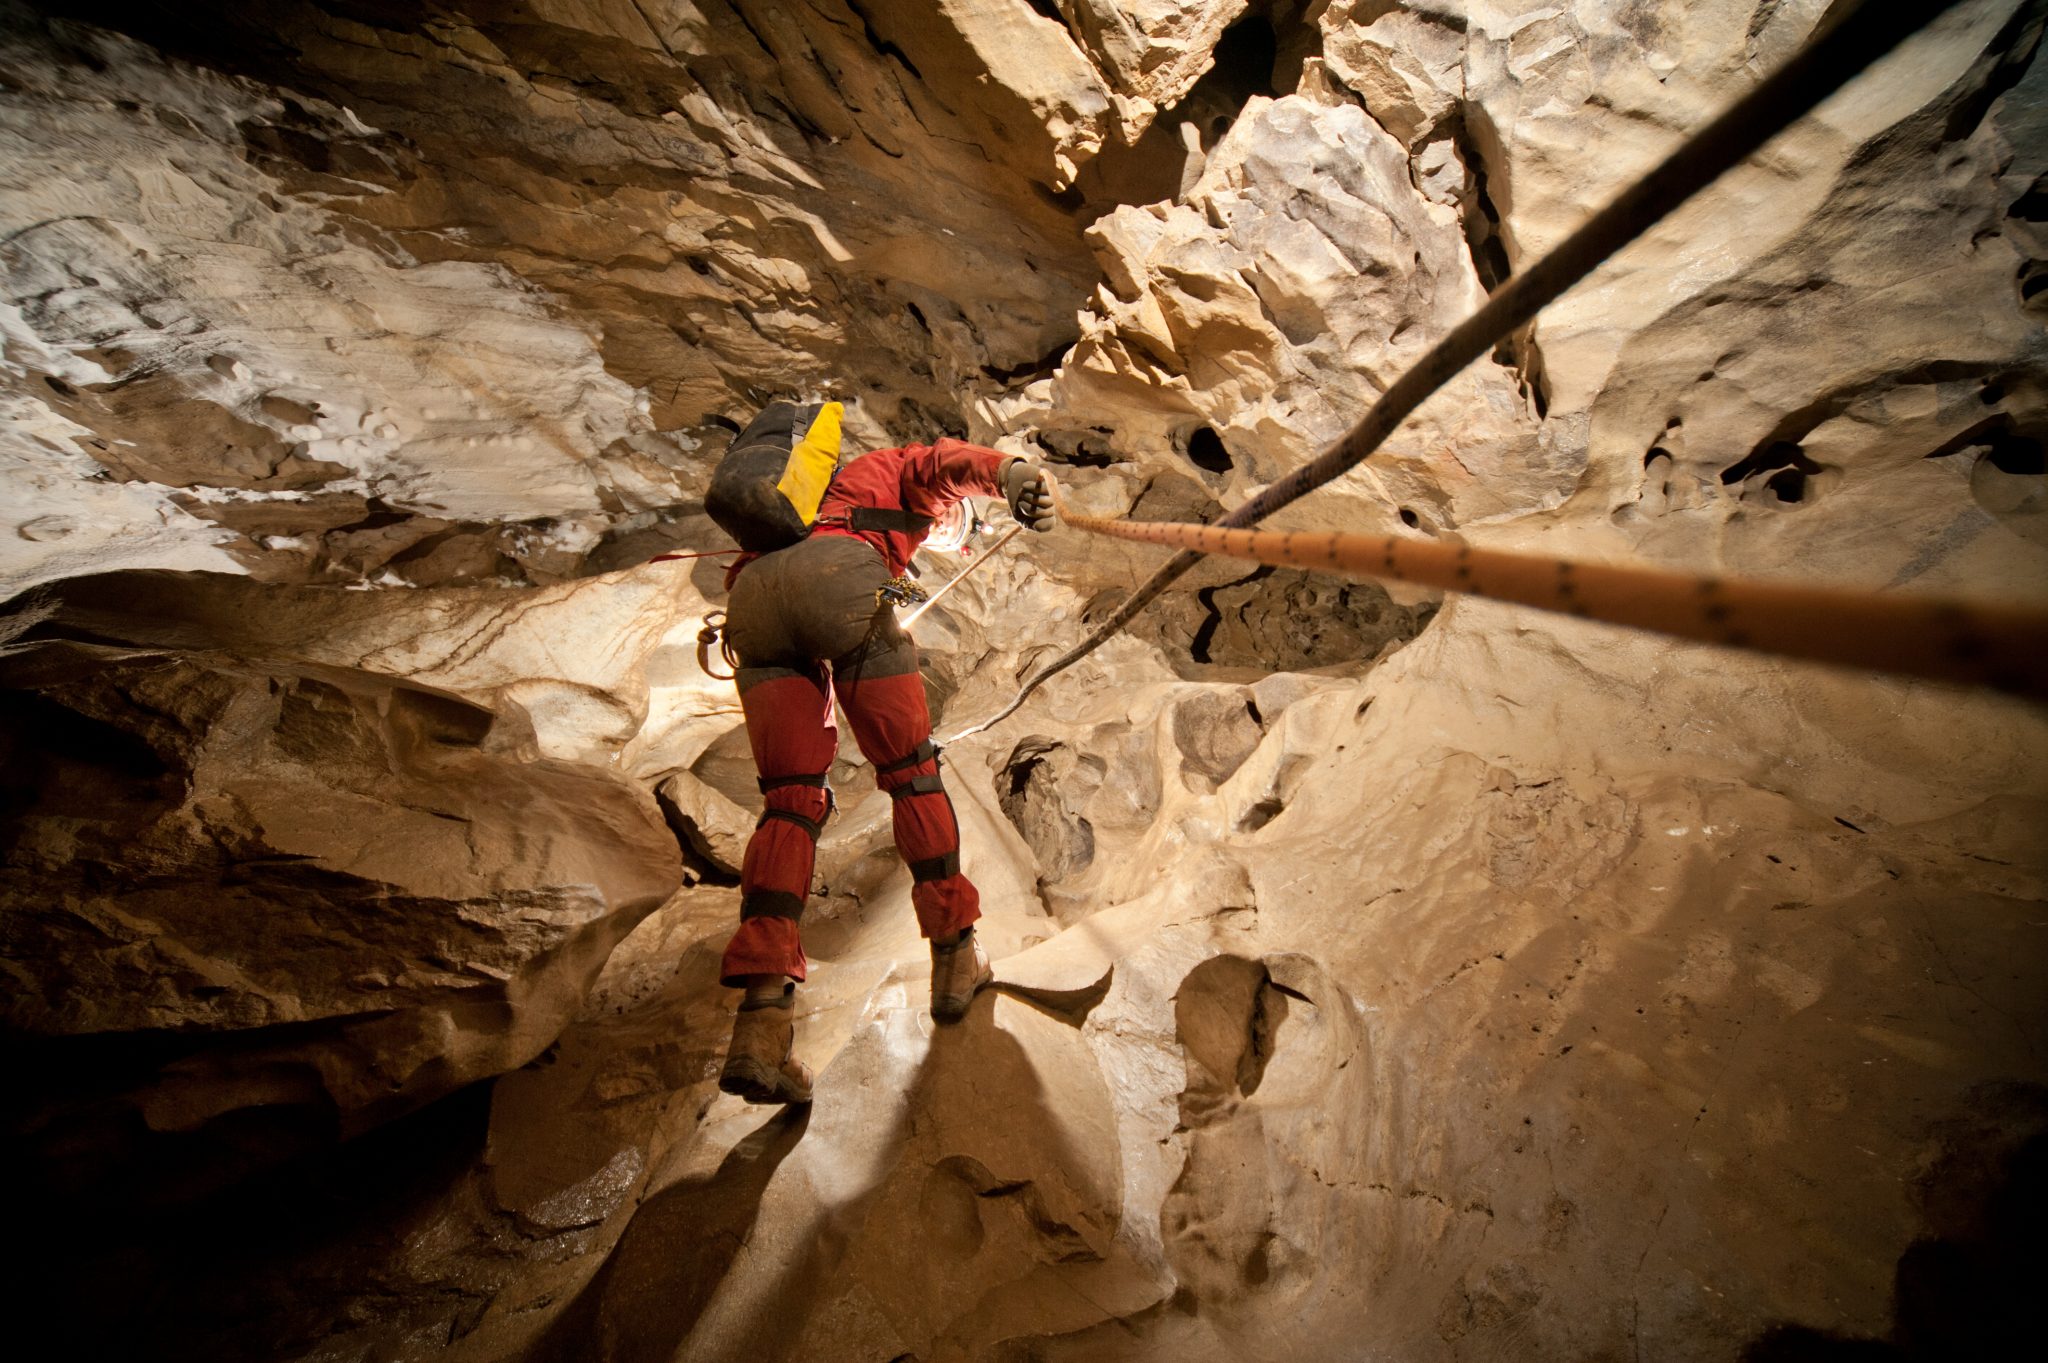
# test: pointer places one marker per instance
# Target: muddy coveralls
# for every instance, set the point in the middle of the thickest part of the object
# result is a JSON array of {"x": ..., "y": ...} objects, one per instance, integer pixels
[{"x": 803, "y": 622}]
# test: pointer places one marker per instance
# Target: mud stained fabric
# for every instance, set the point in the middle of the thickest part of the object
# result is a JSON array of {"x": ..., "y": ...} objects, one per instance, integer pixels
[{"x": 805, "y": 626}]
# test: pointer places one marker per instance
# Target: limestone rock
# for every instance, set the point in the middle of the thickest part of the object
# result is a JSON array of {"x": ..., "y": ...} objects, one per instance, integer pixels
[
  {"x": 715, "y": 828},
  {"x": 1153, "y": 49},
  {"x": 1245, "y": 329},
  {"x": 295, "y": 902},
  {"x": 602, "y": 670},
  {"x": 1405, "y": 61},
  {"x": 1580, "y": 993},
  {"x": 290, "y": 272},
  {"x": 1047, "y": 114}
]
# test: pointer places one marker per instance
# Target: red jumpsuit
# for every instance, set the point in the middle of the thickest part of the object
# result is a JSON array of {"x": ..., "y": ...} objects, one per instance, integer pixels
[{"x": 803, "y": 621}]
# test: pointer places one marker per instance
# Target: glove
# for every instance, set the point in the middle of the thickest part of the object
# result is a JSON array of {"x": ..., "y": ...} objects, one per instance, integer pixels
[{"x": 1030, "y": 500}]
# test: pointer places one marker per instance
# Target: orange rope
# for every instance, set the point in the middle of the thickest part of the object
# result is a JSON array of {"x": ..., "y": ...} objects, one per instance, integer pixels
[{"x": 1940, "y": 638}]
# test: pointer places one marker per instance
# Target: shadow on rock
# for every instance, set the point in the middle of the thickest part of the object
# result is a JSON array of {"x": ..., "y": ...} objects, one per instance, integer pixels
[
  {"x": 1971, "y": 1287},
  {"x": 646, "y": 1299},
  {"x": 943, "y": 1175}
]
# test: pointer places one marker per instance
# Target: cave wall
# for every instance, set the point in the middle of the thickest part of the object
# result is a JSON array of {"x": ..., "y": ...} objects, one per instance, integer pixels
[{"x": 1426, "y": 979}]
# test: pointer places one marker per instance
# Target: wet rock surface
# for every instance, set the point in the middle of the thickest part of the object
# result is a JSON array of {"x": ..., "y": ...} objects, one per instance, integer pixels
[{"x": 1377, "y": 974}]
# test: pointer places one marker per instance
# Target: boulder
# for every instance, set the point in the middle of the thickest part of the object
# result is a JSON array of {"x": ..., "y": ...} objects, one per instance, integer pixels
[{"x": 248, "y": 908}]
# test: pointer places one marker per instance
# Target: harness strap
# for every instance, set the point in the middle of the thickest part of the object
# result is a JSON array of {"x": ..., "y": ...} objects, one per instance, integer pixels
[
  {"x": 768, "y": 783},
  {"x": 888, "y": 519},
  {"x": 923, "y": 752}
]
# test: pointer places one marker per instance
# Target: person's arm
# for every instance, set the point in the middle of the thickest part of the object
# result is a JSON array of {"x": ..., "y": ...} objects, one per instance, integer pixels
[{"x": 937, "y": 476}]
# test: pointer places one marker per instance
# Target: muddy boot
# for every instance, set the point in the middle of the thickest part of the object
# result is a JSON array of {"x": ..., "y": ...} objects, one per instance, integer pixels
[
  {"x": 758, "y": 1065},
  {"x": 957, "y": 971}
]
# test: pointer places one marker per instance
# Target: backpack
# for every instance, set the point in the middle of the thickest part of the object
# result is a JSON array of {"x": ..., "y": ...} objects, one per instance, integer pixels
[{"x": 765, "y": 491}]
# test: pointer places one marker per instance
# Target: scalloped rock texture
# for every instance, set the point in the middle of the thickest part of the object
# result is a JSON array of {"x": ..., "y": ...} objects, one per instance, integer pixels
[{"x": 1379, "y": 976}]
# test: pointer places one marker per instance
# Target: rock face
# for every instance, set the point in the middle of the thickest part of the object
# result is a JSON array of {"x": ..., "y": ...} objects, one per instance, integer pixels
[
  {"x": 1379, "y": 975},
  {"x": 287, "y": 901},
  {"x": 255, "y": 296}
]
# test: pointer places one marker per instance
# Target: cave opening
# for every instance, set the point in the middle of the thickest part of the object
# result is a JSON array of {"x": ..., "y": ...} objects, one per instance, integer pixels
[
  {"x": 1243, "y": 61},
  {"x": 1261, "y": 55},
  {"x": 1481, "y": 220},
  {"x": 1202, "y": 646},
  {"x": 1049, "y": 9},
  {"x": 1784, "y": 465},
  {"x": 1208, "y": 452},
  {"x": 2018, "y": 454},
  {"x": 2005, "y": 446}
]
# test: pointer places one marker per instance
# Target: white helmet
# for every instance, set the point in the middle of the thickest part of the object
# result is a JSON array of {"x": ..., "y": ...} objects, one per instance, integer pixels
[{"x": 950, "y": 531}]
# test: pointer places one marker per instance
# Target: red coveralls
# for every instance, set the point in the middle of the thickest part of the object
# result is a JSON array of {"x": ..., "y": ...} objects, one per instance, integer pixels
[{"x": 804, "y": 618}]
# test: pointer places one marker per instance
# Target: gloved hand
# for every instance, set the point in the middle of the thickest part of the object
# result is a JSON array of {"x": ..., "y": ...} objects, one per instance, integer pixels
[{"x": 1030, "y": 500}]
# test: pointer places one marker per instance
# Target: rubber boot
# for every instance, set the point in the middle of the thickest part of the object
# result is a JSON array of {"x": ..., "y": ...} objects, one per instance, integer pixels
[
  {"x": 758, "y": 1064},
  {"x": 957, "y": 972}
]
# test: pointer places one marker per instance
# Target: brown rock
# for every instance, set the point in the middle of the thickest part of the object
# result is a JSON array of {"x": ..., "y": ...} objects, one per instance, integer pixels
[{"x": 296, "y": 901}]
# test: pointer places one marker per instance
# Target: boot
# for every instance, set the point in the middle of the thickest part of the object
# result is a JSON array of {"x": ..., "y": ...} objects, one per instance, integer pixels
[
  {"x": 957, "y": 971},
  {"x": 758, "y": 1065}
]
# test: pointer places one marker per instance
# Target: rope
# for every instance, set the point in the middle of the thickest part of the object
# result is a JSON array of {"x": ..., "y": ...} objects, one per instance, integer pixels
[
  {"x": 714, "y": 633},
  {"x": 1942, "y": 639},
  {"x": 1826, "y": 63},
  {"x": 956, "y": 579}
]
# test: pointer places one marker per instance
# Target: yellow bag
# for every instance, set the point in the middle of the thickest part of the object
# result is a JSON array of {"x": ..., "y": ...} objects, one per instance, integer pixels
[{"x": 765, "y": 491}]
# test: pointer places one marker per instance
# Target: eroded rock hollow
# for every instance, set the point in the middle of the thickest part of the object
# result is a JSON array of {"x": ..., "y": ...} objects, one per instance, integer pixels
[{"x": 1381, "y": 974}]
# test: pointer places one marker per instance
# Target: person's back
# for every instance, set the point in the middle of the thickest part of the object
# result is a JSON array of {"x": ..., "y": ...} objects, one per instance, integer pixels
[{"x": 804, "y": 622}]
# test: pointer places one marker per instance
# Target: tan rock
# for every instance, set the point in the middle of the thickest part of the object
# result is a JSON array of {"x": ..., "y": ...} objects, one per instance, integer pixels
[
  {"x": 1293, "y": 321},
  {"x": 1579, "y": 993},
  {"x": 1405, "y": 61}
]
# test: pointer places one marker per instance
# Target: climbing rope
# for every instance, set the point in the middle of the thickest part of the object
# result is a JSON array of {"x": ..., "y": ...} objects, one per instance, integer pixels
[
  {"x": 1947, "y": 640},
  {"x": 960, "y": 576},
  {"x": 1826, "y": 63}
]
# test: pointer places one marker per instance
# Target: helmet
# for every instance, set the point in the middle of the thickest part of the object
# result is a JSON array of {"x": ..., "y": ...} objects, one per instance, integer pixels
[{"x": 951, "y": 530}]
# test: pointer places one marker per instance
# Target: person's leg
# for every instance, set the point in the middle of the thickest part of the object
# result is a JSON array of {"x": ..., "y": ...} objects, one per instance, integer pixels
[
  {"x": 884, "y": 699},
  {"x": 787, "y": 705},
  {"x": 885, "y": 704},
  {"x": 790, "y": 729}
]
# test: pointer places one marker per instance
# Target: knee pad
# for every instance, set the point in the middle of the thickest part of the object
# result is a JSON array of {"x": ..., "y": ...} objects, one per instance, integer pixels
[
  {"x": 896, "y": 777},
  {"x": 900, "y": 778},
  {"x": 785, "y": 868}
]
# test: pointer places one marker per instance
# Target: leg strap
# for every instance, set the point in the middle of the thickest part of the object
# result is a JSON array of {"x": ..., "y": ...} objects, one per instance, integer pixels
[
  {"x": 768, "y": 783},
  {"x": 815, "y": 780},
  {"x": 814, "y": 827},
  {"x": 927, "y": 784},
  {"x": 771, "y": 904},
  {"x": 936, "y": 868},
  {"x": 923, "y": 752}
]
